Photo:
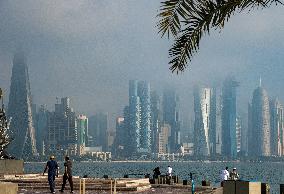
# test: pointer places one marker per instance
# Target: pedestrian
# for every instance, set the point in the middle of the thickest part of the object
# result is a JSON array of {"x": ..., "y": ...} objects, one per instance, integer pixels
[
  {"x": 67, "y": 174},
  {"x": 224, "y": 175},
  {"x": 234, "y": 175},
  {"x": 52, "y": 167},
  {"x": 169, "y": 171},
  {"x": 156, "y": 172}
]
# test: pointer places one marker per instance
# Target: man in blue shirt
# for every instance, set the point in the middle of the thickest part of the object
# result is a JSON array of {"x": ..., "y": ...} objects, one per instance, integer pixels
[{"x": 52, "y": 167}]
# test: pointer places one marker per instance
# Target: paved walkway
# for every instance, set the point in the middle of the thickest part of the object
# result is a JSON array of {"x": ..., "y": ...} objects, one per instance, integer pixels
[{"x": 150, "y": 191}]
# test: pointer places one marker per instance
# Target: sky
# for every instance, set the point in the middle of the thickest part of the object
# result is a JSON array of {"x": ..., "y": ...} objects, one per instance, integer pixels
[{"x": 89, "y": 50}]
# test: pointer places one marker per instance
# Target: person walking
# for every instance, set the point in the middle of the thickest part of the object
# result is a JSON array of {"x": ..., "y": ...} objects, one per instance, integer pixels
[
  {"x": 224, "y": 175},
  {"x": 52, "y": 167},
  {"x": 67, "y": 174},
  {"x": 234, "y": 175}
]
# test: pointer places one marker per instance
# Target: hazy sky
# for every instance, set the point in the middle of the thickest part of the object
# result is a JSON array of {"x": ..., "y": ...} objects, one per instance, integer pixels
[{"x": 89, "y": 50}]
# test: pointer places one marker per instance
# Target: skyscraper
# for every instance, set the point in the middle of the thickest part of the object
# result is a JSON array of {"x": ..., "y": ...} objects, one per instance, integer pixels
[
  {"x": 171, "y": 116},
  {"x": 134, "y": 116},
  {"x": 259, "y": 134},
  {"x": 82, "y": 128},
  {"x": 145, "y": 131},
  {"x": 19, "y": 108},
  {"x": 205, "y": 122},
  {"x": 140, "y": 115},
  {"x": 41, "y": 128},
  {"x": 121, "y": 140},
  {"x": 98, "y": 126},
  {"x": 229, "y": 142},
  {"x": 276, "y": 125},
  {"x": 62, "y": 129},
  {"x": 155, "y": 120}
]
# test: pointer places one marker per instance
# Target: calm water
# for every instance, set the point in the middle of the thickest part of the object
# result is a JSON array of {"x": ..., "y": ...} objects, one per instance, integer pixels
[{"x": 269, "y": 172}]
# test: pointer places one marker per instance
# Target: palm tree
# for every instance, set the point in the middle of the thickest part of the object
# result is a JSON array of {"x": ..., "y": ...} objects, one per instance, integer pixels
[
  {"x": 5, "y": 140},
  {"x": 188, "y": 20}
]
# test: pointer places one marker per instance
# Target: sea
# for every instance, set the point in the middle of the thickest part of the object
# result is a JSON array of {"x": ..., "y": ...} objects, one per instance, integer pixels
[{"x": 265, "y": 172}]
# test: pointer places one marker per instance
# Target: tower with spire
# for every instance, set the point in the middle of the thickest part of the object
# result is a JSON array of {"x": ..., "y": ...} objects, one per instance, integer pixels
[
  {"x": 19, "y": 109},
  {"x": 259, "y": 134}
]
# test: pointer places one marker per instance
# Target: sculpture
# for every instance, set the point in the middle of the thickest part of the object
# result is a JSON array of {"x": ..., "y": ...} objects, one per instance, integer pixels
[{"x": 5, "y": 139}]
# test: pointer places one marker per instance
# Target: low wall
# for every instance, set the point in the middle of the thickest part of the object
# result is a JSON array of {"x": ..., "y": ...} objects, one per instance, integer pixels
[
  {"x": 8, "y": 188},
  {"x": 11, "y": 167}
]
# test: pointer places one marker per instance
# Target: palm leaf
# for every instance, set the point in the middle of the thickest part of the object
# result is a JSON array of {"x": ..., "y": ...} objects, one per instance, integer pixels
[{"x": 189, "y": 20}]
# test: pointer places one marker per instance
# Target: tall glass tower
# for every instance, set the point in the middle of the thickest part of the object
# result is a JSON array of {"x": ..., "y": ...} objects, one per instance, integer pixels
[
  {"x": 171, "y": 116},
  {"x": 145, "y": 131},
  {"x": 229, "y": 116},
  {"x": 205, "y": 122},
  {"x": 140, "y": 115},
  {"x": 277, "y": 127},
  {"x": 259, "y": 134},
  {"x": 20, "y": 110}
]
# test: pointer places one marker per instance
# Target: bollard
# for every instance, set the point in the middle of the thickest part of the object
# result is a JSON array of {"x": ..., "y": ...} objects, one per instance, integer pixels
[
  {"x": 110, "y": 186},
  {"x": 82, "y": 186},
  {"x": 114, "y": 189},
  {"x": 281, "y": 188}
]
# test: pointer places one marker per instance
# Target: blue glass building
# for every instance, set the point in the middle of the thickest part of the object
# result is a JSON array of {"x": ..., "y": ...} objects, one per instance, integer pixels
[{"x": 229, "y": 116}]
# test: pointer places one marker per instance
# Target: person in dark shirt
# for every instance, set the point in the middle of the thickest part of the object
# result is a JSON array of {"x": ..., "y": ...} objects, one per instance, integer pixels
[
  {"x": 67, "y": 174},
  {"x": 156, "y": 172},
  {"x": 52, "y": 167}
]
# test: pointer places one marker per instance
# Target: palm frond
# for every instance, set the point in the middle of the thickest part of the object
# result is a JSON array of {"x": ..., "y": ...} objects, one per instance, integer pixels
[
  {"x": 189, "y": 20},
  {"x": 171, "y": 13}
]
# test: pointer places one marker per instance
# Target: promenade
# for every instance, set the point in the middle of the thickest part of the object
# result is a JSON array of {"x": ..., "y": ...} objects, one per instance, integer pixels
[{"x": 37, "y": 183}]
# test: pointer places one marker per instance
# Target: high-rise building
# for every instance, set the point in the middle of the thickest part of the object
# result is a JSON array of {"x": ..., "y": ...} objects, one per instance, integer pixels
[
  {"x": 259, "y": 134},
  {"x": 238, "y": 133},
  {"x": 218, "y": 122},
  {"x": 41, "y": 128},
  {"x": 229, "y": 141},
  {"x": 98, "y": 125},
  {"x": 163, "y": 138},
  {"x": 140, "y": 116},
  {"x": 205, "y": 122},
  {"x": 82, "y": 131},
  {"x": 144, "y": 93},
  {"x": 120, "y": 141},
  {"x": 277, "y": 127},
  {"x": 62, "y": 129},
  {"x": 134, "y": 115},
  {"x": 171, "y": 116},
  {"x": 20, "y": 110},
  {"x": 155, "y": 120}
]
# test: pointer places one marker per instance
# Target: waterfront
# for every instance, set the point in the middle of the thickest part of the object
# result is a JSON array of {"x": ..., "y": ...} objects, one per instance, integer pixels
[{"x": 268, "y": 172}]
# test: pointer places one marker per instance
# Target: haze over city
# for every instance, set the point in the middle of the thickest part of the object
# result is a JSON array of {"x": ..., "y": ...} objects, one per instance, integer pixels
[{"x": 89, "y": 50}]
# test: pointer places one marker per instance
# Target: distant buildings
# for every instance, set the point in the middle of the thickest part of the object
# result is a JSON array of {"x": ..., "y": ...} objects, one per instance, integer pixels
[
  {"x": 20, "y": 110},
  {"x": 150, "y": 125}
]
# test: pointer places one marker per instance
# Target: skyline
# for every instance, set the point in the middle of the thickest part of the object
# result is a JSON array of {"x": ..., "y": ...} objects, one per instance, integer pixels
[{"x": 73, "y": 46}]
